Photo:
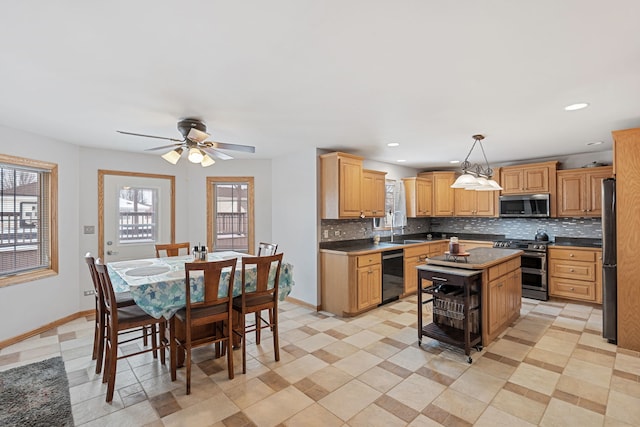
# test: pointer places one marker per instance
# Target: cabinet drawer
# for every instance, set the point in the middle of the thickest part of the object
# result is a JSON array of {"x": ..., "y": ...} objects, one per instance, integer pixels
[
  {"x": 416, "y": 251},
  {"x": 572, "y": 254},
  {"x": 572, "y": 289},
  {"x": 371, "y": 259},
  {"x": 572, "y": 270}
]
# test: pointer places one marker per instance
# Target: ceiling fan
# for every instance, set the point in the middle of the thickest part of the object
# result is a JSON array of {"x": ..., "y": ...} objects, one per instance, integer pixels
[{"x": 194, "y": 133}]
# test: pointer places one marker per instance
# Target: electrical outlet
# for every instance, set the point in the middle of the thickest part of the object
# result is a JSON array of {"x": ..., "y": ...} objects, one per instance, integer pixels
[
  {"x": 89, "y": 293},
  {"x": 336, "y": 233},
  {"x": 325, "y": 234}
]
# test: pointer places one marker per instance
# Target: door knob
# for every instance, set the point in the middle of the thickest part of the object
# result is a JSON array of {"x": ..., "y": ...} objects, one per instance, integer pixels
[{"x": 112, "y": 252}]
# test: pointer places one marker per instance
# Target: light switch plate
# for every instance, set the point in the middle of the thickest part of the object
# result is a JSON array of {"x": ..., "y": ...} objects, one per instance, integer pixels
[{"x": 89, "y": 229}]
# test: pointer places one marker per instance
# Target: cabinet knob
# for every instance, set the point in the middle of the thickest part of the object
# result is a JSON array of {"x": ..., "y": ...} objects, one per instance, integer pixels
[
  {"x": 571, "y": 255},
  {"x": 571, "y": 289},
  {"x": 571, "y": 270}
]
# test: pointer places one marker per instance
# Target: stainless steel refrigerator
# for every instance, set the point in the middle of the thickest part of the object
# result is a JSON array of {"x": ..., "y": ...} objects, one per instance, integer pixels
[{"x": 609, "y": 267}]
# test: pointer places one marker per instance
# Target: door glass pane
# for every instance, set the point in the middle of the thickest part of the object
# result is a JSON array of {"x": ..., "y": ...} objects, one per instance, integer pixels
[
  {"x": 231, "y": 206},
  {"x": 137, "y": 214}
]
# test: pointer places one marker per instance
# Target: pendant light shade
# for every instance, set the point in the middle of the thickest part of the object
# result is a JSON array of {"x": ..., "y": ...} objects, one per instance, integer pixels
[{"x": 476, "y": 177}]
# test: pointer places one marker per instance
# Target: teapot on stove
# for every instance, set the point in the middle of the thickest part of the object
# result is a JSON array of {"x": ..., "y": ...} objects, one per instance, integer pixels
[{"x": 541, "y": 235}]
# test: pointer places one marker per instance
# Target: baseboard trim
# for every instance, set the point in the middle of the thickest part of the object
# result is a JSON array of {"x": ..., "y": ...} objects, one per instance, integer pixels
[
  {"x": 44, "y": 328},
  {"x": 302, "y": 303}
]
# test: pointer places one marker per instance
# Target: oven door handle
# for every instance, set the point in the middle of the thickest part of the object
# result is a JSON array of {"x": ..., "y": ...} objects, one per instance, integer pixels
[
  {"x": 534, "y": 254},
  {"x": 536, "y": 271}
]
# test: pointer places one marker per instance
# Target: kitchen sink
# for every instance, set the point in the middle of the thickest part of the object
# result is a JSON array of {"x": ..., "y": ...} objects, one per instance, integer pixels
[
  {"x": 392, "y": 243},
  {"x": 409, "y": 241}
]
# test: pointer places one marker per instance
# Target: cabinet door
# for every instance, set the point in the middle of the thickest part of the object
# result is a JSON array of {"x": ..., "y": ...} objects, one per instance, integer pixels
[
  {"x": 497, "y": 303},
  {"x": 369, "y": 286},
  {"x": 465, "y": 202},
  {"x": 485, "y": 203},
  {"x": 373, "y": 193},
  {"x": 443, "y": 195},
  {"x": 594, "y": 191},
  {"x": 571, "y": 191},
  {"x": 380, "y": 191},
  {"x": 350, "y": 187},
  {"x": 512, "y": 181},
  {"x": 410, "y": 274},
  {"x": 536, "y": 180},
  {"x": 424, "y": 194},
  {"x": 514, "y": 293}
]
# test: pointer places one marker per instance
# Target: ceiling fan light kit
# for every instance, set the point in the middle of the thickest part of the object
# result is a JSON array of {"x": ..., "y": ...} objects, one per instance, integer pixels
[{"x": 194, "y": 133}]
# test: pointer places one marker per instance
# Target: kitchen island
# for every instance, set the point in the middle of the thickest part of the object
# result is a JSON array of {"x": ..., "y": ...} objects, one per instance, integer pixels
[{"x": 487, "y": 289}]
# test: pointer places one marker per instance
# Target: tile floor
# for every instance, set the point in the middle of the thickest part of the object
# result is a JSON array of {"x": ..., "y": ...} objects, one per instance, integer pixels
[{"x": 551, "y": 368}]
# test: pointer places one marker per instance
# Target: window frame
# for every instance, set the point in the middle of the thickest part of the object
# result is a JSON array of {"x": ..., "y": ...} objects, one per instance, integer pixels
[
  {"x": 53, "y": 268},
  {"x": 211, "y": 217}
]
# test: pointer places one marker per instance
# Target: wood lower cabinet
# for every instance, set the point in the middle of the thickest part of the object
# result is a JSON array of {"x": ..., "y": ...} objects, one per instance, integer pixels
[
  {"x": 374, "y": 191},
  {"x": 503, "y": 297},
  {"x": 369, "y": 281},
  {"x": 350, "y": 284},
  {"x": 415, "y": 256},
  {"x": 576, "y": 273},
  {"x": 580, "y": 191}
]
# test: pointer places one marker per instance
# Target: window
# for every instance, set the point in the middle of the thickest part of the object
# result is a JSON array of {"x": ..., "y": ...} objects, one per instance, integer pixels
[
  {"x": 385, "y": 222},
  {"x": 138, "y": 211},
  {"x": 230, "y": 214},
  {"x": 28, "y": 212}
]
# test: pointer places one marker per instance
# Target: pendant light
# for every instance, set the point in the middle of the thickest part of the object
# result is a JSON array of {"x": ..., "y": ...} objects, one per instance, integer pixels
[{"x": 476, "y": 177}]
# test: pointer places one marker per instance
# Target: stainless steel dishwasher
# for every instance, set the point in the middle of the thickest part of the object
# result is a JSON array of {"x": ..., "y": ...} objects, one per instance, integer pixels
[{"x": 392, "y": 275}]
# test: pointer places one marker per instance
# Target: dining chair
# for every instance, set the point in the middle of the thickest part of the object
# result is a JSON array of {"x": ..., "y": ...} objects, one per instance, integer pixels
[
  {"x": 263, "y": 295},
  {"x": 214, "y": 311},
  {"x": 123, "y": 299},
  {"x": 121, "y": 321},
  {"x": 265, "y": 249},
  {"x": 172, "y": 249}
]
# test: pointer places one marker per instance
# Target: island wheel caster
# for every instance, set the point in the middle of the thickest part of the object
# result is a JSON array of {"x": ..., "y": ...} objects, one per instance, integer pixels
[
  {"x": 469, "y": 359},
  {"x": 479, "y": 348},
  {"x": 419, "y": 343}
]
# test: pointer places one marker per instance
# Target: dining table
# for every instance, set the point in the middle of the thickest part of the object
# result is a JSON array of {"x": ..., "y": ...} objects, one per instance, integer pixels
[{"x": 157, "y": 285}]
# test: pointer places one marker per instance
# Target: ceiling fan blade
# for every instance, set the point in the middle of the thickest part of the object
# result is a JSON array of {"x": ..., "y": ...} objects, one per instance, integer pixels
[
  {"x": 235, "y": 147},
  {"x": 197, "y": 135},
  {"x": 163, "y": 147},
  {"x": 149, "y": 136},
  {"x": 215, "y": 153}
]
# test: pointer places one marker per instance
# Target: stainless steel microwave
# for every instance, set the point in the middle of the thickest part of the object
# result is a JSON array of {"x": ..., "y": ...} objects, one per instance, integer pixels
[{"x": 525, "y": 206}]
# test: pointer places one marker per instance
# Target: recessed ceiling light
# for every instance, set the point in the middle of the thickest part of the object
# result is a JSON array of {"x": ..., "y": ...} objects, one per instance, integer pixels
[
  {"x": 595, "y": 143},
  {"x": 401, "y": 161},
  {"x": 454, "y": 161},
  {"x": 578, "y": 106},
  {"x": 392, "y": 144}
]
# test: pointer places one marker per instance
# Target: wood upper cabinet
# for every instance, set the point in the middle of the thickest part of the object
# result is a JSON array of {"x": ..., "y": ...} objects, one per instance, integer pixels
[
  {"x": 443, "y": 195},
  {"x": 580, "y": 191},
  {"x": 529, "y": 179},
  {"x": 373, "y": 193},
  {"x": 474, "y": 203},
  {"x": 341, "y": 185},
  {"x": 419, "y": 196}
]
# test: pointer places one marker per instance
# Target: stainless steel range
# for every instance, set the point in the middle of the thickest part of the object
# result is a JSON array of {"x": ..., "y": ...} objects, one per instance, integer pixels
[{"x": 534, "y": 266}]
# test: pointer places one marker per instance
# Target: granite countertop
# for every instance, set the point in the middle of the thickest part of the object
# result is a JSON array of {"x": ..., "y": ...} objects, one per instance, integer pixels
[
  {"x": 478, "y": 259},
  {"x": 581, "y": 242},
  {"x": 367, "y": 246},
  {"x": 448, "y": 270}
]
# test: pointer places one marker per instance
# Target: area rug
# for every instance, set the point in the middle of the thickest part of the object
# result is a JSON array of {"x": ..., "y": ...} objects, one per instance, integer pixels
[{"x": 35, "y": 395}]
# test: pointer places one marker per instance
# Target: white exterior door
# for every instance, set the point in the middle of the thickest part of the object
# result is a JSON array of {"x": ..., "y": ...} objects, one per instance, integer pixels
[{"x": 137, "y": 213}]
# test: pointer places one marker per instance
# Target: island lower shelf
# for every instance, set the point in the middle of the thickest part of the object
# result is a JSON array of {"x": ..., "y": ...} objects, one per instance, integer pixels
[{"x": 488, "y": 290}]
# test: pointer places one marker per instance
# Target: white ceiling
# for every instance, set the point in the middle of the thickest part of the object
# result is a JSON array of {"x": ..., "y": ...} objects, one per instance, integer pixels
[{"x": 337, "y": 74}]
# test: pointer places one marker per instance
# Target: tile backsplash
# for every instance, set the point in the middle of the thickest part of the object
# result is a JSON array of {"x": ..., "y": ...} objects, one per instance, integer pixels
[{"x": 517, "y": 228}]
